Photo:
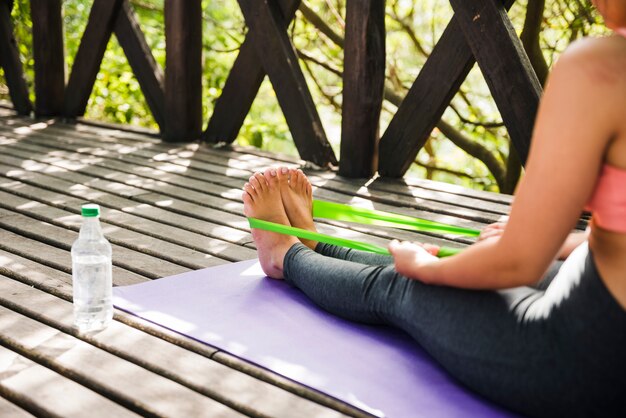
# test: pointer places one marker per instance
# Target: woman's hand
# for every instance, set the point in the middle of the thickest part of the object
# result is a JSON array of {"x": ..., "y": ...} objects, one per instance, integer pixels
[
  {"x": 492, "y": 230},
  {"x": 409, "y": 257}
]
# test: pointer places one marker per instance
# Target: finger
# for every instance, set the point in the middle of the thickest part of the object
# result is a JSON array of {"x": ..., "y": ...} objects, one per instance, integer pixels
[
  {"x": 393, "y": 246},
  {"x": 431, "y": 248}
]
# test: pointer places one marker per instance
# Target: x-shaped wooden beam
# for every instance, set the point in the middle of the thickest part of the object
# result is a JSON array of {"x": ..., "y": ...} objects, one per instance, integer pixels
[
  {"x": 479, "y": 31},
  {"x": 268, "y": 50},
  {"x": 106, "y": 17},
  {"x": 10, "y": 61}
]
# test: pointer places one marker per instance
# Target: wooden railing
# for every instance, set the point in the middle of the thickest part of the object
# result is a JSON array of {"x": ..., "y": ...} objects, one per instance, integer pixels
[
  {"x": 479, "y": 32},
  {"x": 173, "y": 95}
]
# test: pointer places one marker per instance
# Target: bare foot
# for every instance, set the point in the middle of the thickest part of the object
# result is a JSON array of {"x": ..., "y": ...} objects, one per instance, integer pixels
[
  {"x": 261, "y": 200},
  {"x": 297, "y": 195}
]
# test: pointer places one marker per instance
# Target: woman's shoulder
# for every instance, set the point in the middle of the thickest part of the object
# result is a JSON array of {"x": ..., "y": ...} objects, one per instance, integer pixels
[
  {"x": 601, "y": 59},
  {"x": 605, "y": 48}
]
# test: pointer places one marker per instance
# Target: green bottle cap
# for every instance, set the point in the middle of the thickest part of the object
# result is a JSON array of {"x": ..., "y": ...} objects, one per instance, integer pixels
[{"x": 90, "y": 210}]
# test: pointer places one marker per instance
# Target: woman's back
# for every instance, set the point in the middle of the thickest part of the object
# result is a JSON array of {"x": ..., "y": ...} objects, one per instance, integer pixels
[{"x": 605, "y": 60}]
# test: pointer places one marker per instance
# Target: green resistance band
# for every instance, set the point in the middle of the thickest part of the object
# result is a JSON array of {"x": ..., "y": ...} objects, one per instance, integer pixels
[{"x": 340, "y": 212}]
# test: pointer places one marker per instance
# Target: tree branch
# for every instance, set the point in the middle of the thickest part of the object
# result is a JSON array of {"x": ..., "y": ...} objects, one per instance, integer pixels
[
  {"x": 303, "y": 55},
  {"x": 476, "y": 150},
  {"x": 319, "y": 23},
  {"x": 486, "y": 125},
  {"x": 530, "y": 38},
  {"x": 435, "y": 167}
]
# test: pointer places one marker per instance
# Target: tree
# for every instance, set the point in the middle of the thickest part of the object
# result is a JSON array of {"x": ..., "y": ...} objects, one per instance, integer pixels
[{"x": 469, "y": 146}]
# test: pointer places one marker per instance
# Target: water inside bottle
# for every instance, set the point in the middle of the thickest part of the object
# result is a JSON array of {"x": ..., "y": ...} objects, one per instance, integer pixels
[{"x": 92, "y": 297}]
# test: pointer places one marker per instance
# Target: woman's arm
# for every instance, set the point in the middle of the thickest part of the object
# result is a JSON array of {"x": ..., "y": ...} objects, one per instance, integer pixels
[
  {"x": 496, "y": 230},
  {"x": 573, "y": 127},
  {"x": 573, "y": 240}
]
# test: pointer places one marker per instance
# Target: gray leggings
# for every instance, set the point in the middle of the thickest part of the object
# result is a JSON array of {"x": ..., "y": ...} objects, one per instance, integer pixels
[{"x": 554, "y": 349}]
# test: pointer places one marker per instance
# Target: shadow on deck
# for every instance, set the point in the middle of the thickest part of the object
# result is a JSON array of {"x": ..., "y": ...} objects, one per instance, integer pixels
[{"x": 167, "y": 209}]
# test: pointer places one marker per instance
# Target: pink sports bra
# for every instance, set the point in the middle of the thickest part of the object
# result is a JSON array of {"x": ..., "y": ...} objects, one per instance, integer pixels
[{"x": 608, "y": 202}]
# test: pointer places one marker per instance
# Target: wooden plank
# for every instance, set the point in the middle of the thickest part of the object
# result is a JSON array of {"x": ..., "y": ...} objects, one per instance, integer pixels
[
  {"x": 47, "y": 393},
  {"x": 61, "y": 238},
  {"x": 103, "y": 372},
  {"x": 90, "y": 52},
  {"x": 10, "y": 62},
  {"x": 436, "y": 84},
  {"x": 349, "y": 190},
  {"x": 119, "y": 237},
  {"x": 102, "y": 175},
  {"x": 282, "y": 382},
  {"x": 212, "y": 168},
  {"x": 348, "y": 197},
  {"x": 250, "y": 160},
  {"x": 219, "y": 246},
  {"x": 243, "y": 221},
  {"x": 27, "y": 271},
  {"x": 9, "y": 409},
  {"x": 99, "y": 192},
  {"x": 503, "y": 61},
  {"x": 439, "y": 186},
  {"x": 49, "y": 56},
  {"x": 240, "y": 391},
  {"x": 58, "y": 283},
  {"x": 363, "y": 82},
  {"x": 141, "y": 60},
  {"x": 340, "y": 187},
  {"x": 59, "y": 259},
  {"x": 146, "y": 233},
  {"x": 183, "y": 70},
  {"x": 241, "y": 87},
  {"x": 280, "y": 61},
  {"x": 377, "y": 236},
  {"x": 343, "y": 187}
]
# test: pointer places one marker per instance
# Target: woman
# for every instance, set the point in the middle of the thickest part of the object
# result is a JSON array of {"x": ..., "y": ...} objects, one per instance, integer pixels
[{"x": 539, "y": 344}]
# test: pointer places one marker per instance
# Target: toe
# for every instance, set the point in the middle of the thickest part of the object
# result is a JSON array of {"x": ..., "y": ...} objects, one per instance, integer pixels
[
  {"x": 271, "y": 175},
  {"x": 293, "y": 179},
  {"x": 301, "y": 181},
  {"x": 283, "y": 176},
  {"x": 255, "y": 183},
  {"x": 247, "y": 202},
  {"x": 258, "y": 182},
  {"x": 247, "y": 199},
  {"x": 260, "y": 178},
  {"x": 250, "y": 190}
]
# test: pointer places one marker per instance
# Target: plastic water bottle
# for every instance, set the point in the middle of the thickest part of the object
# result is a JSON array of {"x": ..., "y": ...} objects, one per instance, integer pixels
[{"x": 91, "y": 274}]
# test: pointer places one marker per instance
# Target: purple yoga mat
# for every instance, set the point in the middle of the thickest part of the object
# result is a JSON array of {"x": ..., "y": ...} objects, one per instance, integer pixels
[{"x": 235, "y": 308}]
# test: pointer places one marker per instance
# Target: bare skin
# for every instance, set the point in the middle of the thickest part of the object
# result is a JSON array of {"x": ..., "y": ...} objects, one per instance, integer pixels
[
  {"x": 262, "y": 200},
  {"x": 297, "y": 196},
  {"x": 583, "y": 105}
]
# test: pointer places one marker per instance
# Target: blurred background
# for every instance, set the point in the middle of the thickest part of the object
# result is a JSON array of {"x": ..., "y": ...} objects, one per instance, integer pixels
[{"x": 469, "y": 146}]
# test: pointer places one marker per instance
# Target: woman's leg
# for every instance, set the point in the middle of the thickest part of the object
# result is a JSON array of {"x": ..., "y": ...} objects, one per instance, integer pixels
[
  {"x": 349, "y": 254},
  {"x": 372, "y": 259},
  {"x": 544, "y": 353},
  {"x": 516, "y": 346}
]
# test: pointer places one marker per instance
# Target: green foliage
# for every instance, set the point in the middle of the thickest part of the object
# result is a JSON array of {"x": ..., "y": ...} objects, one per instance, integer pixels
[{"x": 413, "y": 29}]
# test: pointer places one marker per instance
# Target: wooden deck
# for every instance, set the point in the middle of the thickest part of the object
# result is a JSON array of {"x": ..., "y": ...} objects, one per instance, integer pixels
[{"x": 167, "y": 209}]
